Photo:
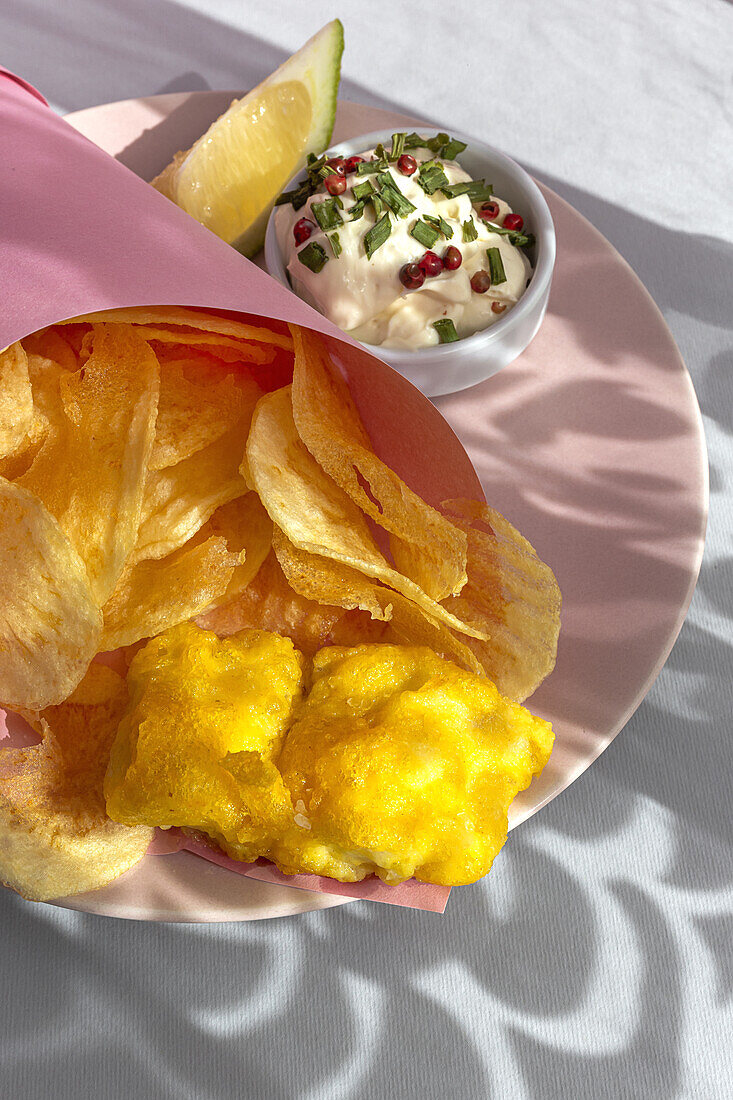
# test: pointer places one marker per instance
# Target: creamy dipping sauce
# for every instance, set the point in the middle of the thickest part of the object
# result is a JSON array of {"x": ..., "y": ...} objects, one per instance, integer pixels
[{"x": 367, "y": 296}]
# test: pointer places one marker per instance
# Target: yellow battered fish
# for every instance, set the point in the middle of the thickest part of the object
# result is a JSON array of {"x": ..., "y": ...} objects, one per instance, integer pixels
[
  {"x": 204, "y": 723},
  {"x": 398, "y": 763},
  {"x": 402, "y": 764}
]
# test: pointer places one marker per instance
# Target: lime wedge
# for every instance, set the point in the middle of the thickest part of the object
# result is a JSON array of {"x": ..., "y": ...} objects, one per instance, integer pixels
[{"x": 229, "y": 179}]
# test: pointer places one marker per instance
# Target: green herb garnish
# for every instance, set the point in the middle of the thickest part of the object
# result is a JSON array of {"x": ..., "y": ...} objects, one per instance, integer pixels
[
  {"x": 398, "y": 146},
  {"x": 314, "y": 167},
  {"x": 380, "y": 152},
  {"x": 367, "y": 167},
  {"x": 521, "y": 240},
  {"x": 414, "y": 141},
  {"x": 362, "y": 190},
  {"x": 440, "y": 224},
  {"x": 453, "y": 149},
  {"x": 477, "y": 190},
  {"x": 375, "y": 237},
  {"x": 470, "y": 232},
  {"x": 446, "y": 330},
  {"x": 426, "y": 234},
  {"x": 313, "y": 256},
  {"x": 297, "y": 197},
  {"x": 431, "y": 177},
  {"x": 326, "y": 214},
  {"x": 357, "y": 210},
  {"x": 378, "y": 204},
  {"x": 327, "y": 171},
  {"x": 496, "y": 266},
  {"x": 333, "y": 240},
  {"x": 435, "y": 144},
  {"x": 396, "y": 201},
  {"x": 393, "y": 197}
]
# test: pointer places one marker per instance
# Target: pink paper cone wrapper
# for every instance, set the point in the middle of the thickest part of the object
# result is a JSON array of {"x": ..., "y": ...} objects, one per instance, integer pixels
[{"x": 79, "y": 233}]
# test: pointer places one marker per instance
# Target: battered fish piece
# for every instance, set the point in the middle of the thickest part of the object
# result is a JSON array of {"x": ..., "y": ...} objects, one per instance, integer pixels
[
  {"x": 203, "y": 726},
  {"x": 401, "y": 764}
]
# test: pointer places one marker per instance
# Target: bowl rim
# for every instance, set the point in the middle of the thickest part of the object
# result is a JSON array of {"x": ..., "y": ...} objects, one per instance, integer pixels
[{"x": 536, "y": 292}]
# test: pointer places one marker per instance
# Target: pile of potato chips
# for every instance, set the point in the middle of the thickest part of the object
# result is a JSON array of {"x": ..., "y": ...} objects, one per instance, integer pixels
[{"x": 153, "y": 470}]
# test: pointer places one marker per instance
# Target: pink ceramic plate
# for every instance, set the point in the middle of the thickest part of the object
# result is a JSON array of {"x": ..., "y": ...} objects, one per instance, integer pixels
[{"x": 591, "y": 444}]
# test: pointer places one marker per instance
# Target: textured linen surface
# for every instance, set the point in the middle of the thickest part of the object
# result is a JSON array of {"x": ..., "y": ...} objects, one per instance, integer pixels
[{"x": 596, "y": 960}]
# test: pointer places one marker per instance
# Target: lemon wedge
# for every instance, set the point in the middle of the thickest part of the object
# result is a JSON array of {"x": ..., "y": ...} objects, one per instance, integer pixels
[{"x": 229, "y": 179}]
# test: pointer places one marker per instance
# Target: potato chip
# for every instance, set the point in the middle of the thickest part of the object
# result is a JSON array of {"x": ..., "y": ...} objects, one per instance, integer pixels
[
  {"x": 90, "y": 469},
  {"x": 513, "y": 595},
  {"x": 16, "y": 406},
  {"x": 247, "y": 528},
  {"x": 179, "y": 499},
  {"x": 426, "y": 547},
  {"x": 15, "y": 465},
  {"x": 153, "y": 595},
  {"x": 191, "y": 320},
  {"x": 411, "y": 626},
  {"x": 44, "y": 376},
  {"x": 55, "y": 836},
  {"x": 197, "y": 406},
  {"x": 329, "y": 582},
  {"x": 269, "y": 603},
  {"x": 213, "y": 342},
  {"x": 50, "y": 625},
  {"x": 50, "y": 344},
  {"x": 312, "y": 511}
]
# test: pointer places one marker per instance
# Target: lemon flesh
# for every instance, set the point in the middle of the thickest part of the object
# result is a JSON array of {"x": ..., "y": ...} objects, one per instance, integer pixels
[{"x": 229, "y": 179}]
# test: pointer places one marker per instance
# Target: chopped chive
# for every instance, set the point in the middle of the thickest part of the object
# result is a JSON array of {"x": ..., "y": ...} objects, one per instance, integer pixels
[
  {"x": 333, "y": 240},
  {"x": 298, "y": 196},
  {"x": 377, "y": 235},
  {"x": 431, "y": 177},
  {"x": 453, "y": 148},
  {"x": 327, "y": 171},
  {"x": 414, "y": 141},
  {"x": 357, "y": 210},
  {"x": 313, "y": 256},
  {"x": 311, "y": 158},
  {"x": 314, "y": 167},
  {"x": 326, "y": 214},
  {"x": 367, "y": 167},
  {"x": 453, "y": 190},
  {"x": 470, "y": 232},
  {"x": 446, "y": 330},
  {"x": 396, "y": 201},
  {"x": 380, "y": 152},
  {"x": 477, "y": 190},
  {"x": 398, "y": 146},
  {"x": 424, "y": 233},
  {"x": 287, "y": 196},
  {"x": 378, "y": 203},
  {"x": 393, "y": 197},
  {"x": 435, "y": 144},
  {"x": 338, "y": 201},
  {"x": 480, "y": 191},
  {"x": 362, "y": 190},
  {"x": 521, "y": 240},
  {"x": 496, "y": 266},
  {"x": 440, "y": 224}
]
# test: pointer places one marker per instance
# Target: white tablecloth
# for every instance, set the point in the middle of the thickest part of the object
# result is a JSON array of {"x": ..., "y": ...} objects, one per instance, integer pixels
[{"x": 596, "y": 959}]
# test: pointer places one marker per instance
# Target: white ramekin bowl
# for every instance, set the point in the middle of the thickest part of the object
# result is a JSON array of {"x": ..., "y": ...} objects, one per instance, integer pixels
[{"x": 447, "y": 368}]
